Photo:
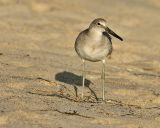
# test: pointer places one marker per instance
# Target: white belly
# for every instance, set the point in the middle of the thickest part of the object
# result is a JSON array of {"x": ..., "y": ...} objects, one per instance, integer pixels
[{"x": 95, "y": 53}]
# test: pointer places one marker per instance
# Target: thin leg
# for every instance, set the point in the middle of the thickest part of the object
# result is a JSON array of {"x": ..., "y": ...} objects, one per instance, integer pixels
[
  {"x": 83, "y": 75},
  {"x": 103, "y": 78}
]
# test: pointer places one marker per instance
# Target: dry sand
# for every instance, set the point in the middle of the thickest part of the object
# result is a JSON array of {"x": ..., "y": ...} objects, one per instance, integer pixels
[{"x": 40, "y": 73}]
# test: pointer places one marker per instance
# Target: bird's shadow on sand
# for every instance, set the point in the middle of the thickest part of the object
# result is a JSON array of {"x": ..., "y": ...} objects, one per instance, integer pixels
[{"x": 74, "y": 80}]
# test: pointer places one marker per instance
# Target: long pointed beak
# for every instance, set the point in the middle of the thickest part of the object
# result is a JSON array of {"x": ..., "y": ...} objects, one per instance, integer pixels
[{"x": 113, "y": 34}]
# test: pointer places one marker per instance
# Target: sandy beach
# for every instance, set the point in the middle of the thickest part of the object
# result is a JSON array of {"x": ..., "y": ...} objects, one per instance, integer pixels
[{"x": 40, "y": 72}]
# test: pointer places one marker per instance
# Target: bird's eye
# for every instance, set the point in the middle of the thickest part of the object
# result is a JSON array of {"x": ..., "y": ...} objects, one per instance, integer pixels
[{"x": 98, "y": 23}]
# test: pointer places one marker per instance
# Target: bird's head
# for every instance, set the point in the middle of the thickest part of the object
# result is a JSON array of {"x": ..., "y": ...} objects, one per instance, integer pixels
[{"x": 100, "y": 25}]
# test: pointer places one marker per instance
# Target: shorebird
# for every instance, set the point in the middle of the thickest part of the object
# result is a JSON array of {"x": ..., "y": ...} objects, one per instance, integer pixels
[{"x": 95, "y": 44}]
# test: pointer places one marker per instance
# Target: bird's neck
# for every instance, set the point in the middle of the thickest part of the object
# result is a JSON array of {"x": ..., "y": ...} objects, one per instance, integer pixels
[{"x": 95, "y": 34}]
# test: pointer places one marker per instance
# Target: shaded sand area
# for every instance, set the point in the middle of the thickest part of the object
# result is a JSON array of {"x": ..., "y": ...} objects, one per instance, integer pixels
[{"x": 40, "y": 73}]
